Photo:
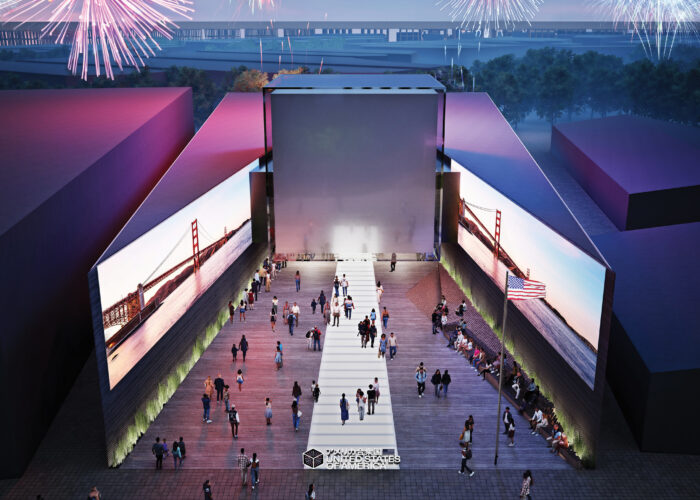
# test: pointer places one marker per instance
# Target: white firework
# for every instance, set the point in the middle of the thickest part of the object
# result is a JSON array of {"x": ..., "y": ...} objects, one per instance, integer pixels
[
  {"x": 482, "y": 15},
  {"x": 656, "y": 23}
]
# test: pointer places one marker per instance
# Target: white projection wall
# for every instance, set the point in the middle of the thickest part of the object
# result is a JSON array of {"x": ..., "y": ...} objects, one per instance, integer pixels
[{"x": 354, "y": 171}]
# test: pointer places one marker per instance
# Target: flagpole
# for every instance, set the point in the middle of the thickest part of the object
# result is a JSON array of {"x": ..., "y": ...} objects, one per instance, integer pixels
[{"x": 501, "y": 368}]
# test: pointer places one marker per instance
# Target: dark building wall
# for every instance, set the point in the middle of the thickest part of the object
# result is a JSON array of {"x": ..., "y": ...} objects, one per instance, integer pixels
[
  {"x": 572, "y": 396},
  {"x": 609, "y": 195},
  {"x": 46, "y": 337},
  {"x": 121, "y": 404},
  {"x": 663, "y": 207},
  {"x": 258, "y": 205},
  {"x": 648, "y": 399},
  {"x": 450, "y": 207}
]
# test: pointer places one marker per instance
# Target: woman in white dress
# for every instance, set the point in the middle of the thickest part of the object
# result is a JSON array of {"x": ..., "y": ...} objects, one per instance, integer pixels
[{"x": 380, "y": 291}]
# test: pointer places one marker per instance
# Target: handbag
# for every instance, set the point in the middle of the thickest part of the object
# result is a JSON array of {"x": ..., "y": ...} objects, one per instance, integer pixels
[
  {"x": 468, "y": 454},
  {"x": 298, "y": 414}
]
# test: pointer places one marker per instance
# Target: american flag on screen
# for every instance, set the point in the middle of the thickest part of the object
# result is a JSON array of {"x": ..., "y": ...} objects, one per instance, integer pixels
[{"x": 522, "y": 289}]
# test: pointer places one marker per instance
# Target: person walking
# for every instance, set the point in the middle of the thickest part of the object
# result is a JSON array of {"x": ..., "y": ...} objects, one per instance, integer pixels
[
  {"x": 285, "y": 311},
  {"x": 251, "y": 298},
  {"x": 239, "y": 380},
  {"x": 296, "y": 415},
  {"x": 231, "y": 311},
  {"x": 371, "y": 399},
  {"x": 234, "y": 419},
  {"x": 322, "y": 302},
  {"x": 336, "y": 286},
  {"x": 446, "y": 379},
  {"x": 206, "y": 405},
  {"x": 254, "y": 471},
  {"x": 507, "y": 419},
  {"x": 206, "y": 488},
  {"x": 344, "y": 410},
  {"x": 290, "y": 322},
  {"x": 311, "y": 493},
  {"x": 436, "y": 380},
  {"x": 274, "y": 303},
  {"x": 219, "y": 385},
  {"x": 526, "y": 485},
  {"x": 209, "y": 387},
  {"x": 372, "y": 334},
  {"x": 243, "y": 465},
  {"x": 469, "y": 424},
  {"x": 313, "y": 305},
  {"x": 393, "y": 262},
  {"x": 241, "y": 312},
  {"x": 316, "y": 392},
  {"x": 316, "y": 334},
  {"x": 511, "y": 433},
  {"x": 380, "y": 292},
  {"x": 382, "y": 346},
  {"x": 165, "y": 447},
  {"x": 376, "y": 389},
  {"x": 466, "y": 456},
  {"x": 181, "y": 447},
  {"x": 234, "y": 351},
  {"x": 278, "y": 357},
  {"x": 243, "y": 346},
  {"x": 295, "y": 312},
  {"x": 336, "y": 313},
  {"x": 273, "y": 319},
  {"x": 385, "y": 318},
  {"x": 296, "y": 391},
  {"x": 177, "y": 456},
  {"x": 267, "y": 284},
  {"x": 392, "y": 345},
  {"x": 226, "y": 398},
  {"x": 297, "y": 280},
  {"x": 268, "y": 411},
  {"x": 344, "y": 283},
  {"x": 349, "y": 306},
  {"x": 421, "y": 376},
  {"x": 361, "y": 403},
  {"x": 158, "y": 451}
]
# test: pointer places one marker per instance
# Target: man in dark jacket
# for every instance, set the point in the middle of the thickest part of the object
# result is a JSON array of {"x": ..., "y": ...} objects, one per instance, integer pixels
[
  {"x": 446, "y": 379},
  {"x": 371, "y": 399},
  {"x": 206, "y": 405},
  {"x": 317, "y": 337},
  {"x": 219, "y": 386},
  {"x": 158, "y": 451},
  {"x": 507, "y": 419}
]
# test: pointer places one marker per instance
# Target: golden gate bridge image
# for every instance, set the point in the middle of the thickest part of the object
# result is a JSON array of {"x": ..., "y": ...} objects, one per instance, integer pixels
[{"x": 129, "y": 312}]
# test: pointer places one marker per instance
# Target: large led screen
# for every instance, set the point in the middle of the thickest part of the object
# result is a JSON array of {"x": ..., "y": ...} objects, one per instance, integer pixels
[
  {"x": 354, "y": 170},
  {"x": 569, "y": 317},
  {"x": 148, "y": 285}
]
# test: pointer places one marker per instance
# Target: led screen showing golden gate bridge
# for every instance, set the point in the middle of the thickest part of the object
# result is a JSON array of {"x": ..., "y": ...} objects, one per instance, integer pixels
[
  {"x": 148, "y": 285},
  {"x": 569, "y": 317}
]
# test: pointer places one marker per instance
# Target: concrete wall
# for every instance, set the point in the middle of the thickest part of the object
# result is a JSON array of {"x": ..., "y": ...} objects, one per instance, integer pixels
[{"x": 45, "y": 337}]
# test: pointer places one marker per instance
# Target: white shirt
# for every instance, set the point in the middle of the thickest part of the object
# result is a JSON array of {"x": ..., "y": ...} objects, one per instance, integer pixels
[
  {"x": 343, "y": 282},
  {"x": 392, "y": 340},
  {"x": 537, "y": 416},
  {"x": 295, "y": 309}
]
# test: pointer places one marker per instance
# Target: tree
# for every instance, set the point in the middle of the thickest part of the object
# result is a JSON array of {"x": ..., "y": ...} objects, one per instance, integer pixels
[
  {"x": 555, "y": 93},
  {"x": 497, "y": 77},
  {"x": 250, "y": 80},
  {"x": 204, "y": 93}
]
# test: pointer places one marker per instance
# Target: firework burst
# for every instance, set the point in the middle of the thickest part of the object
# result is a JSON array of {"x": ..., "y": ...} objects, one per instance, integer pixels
[
  {"x": 261, "y": 5},
  {"x": 122, "y": 32},
  {"x": 656, "y": 23},
  {"x": 482, "y": 15}
]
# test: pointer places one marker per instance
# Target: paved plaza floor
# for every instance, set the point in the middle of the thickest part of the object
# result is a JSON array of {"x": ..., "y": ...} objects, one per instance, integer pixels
[{"x": 71, "y": 458}]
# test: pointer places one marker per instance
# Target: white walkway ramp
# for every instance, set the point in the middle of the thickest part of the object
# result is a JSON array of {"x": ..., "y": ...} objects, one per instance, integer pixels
[{"x": 345, "y": 367}]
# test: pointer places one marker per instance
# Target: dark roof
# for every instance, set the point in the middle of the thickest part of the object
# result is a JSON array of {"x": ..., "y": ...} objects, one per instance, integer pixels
[
  {"x": 639, "y": 154},
  {"x": 230, "y": 139},
  {"x": 50, "y": 136},
  {"x": 655, "y": 298},
  {"x": 481, "y": 140},
  {"x": 372, "y": 81}
]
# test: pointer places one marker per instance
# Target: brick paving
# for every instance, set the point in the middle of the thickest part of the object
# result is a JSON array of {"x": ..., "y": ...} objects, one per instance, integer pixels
[{"x": 71, "y": 460}]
